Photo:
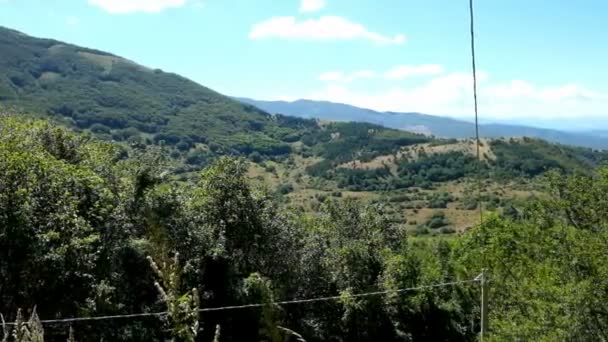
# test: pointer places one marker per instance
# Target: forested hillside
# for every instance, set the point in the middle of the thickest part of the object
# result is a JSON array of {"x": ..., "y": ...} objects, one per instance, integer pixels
[
  {"x": 119, "y": 100},
  {"x": 302, "y": 161},
  {"x": 124, "y": 101},
  {"x": 88, "y": 228},
  {"x": 128, "y": 190}
]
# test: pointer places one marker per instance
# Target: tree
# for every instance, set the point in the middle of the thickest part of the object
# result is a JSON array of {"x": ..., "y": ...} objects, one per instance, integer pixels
[{"x": 548, "y": 267}]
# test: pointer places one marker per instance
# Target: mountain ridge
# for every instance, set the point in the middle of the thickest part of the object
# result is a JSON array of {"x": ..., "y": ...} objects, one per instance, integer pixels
[{"x": 443, "y": 127}]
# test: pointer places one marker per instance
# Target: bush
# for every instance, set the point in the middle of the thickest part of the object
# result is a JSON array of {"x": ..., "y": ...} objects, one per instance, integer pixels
[
  {"x": 99, "y": 128},
  {"x": 447, "y": 230},
  {"x": 184, "y": 145},
  {"x": 421, "y": 230},
  {"x": 435, "y": 223},
  {"x": 440, "y": 200},
  {"x": 469, "y": 204},
  {"x": 124, "y": 134},
  {"x": 168, "y": 138},
  {"x": 437, "y": 220},
  {"x": 255, "y": 157},
  {"x": 198, "y": 157},
  {"x": 284, "y": 189},
  {"x": 399, "y": 198}
]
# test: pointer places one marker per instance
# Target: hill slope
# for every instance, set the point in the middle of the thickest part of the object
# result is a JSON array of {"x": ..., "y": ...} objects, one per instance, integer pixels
[
  {"x": 107, "y": 94},
  {"x": 119, "y": 100},
  {"x": 302, "y": 160},
  {"x": 423, "y": 123}
]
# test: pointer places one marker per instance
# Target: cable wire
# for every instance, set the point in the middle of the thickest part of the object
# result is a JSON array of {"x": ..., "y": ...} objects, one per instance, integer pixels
[
  {"x": 257, "y": 305},
  {"x": 478, "y": 142}
]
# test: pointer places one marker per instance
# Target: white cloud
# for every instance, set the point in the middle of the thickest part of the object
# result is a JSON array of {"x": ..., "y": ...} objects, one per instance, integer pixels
[
  {"x": 132, "y": 6},
  {"x": 397, "y": 73},
  {"x": 515, "y": 88},
  {"x": 324, "y": 28},
  {"x": 363, "y": 74},
  {"x": 442, "y": 95},
  {"x": 72, "y": 21},
  {"x": 311, "y": 5},
  {"x": 451, "y": 94},
  {"x": 404, "y": 71},
  {"x": 338, "y": 76},
  {"x": 331, "y": 76},
  {"x": 523, "y": 100},
  {"x": 552, "y": 94}
]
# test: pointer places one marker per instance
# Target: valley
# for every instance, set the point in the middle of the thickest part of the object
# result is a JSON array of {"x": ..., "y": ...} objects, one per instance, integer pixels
[
  {"x": 138, "y": 205},
  {"x": 303, "y": 160}
]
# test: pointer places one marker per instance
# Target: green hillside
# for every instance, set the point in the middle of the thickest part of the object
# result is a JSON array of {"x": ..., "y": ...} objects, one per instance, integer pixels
[
  {"x": 304, "y": 161},
  {"x": 87, "y": 230},
  {"x": 142, "y": 192},
  {"x": 94, "y": 90},
  {"x": 120, "y": 100}
]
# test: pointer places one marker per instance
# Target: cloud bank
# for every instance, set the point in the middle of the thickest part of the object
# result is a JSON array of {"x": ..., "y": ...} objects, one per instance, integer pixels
[{"x": 326, "y": 28}]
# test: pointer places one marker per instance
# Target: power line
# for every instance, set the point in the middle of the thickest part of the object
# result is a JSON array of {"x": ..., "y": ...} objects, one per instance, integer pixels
[
  {"x": 478, "y": 142},
  {"x": 484, "y": 290},
  {"x": 257, "y": 305},
  {"x": 323, "y": 299}
]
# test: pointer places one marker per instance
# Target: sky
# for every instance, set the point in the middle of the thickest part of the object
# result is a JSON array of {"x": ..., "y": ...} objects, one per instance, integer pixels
[{"x": 540, "y": 62}]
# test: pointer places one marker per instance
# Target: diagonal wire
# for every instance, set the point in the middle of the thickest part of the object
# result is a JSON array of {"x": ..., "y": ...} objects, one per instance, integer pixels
[
  {"x": 257, "y": 305},
  {"x": 331, "y": 298},
  {"x": 478, "y": 142}
]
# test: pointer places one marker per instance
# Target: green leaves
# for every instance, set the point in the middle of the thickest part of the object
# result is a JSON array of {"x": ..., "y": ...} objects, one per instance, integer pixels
[
  {"x": 77, "y": 218},
  {"x": 548, "y": 269}
]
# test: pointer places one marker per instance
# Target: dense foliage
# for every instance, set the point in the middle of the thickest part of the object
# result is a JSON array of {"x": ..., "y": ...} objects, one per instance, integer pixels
[
  {"x": 91, "y": 228},
  {"x": 83, "y": 219},
  {"x": 530, "y": 157},
  {"x": 548, "y": 269},
  {"x": 80, "y": 219}
]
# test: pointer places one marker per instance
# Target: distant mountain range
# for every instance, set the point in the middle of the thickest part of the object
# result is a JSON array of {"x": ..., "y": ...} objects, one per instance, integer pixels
[
  {"x": 120, "y": 100},
  {"x": 427, "y": 124}
]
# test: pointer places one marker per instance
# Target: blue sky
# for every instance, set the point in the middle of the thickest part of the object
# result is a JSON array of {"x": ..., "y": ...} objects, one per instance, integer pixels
[{"x": 540, "y": 61}]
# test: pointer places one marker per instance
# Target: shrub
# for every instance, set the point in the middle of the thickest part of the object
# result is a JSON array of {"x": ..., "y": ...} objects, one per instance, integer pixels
[
  {"x": 99, "y": 128},
  {"x": 447, "y": 230},
  {"x": 284, "y": 189},
  {"x": 437, "y": 220},
  {"x": 469, "y": 203},
  {"x": 124, "y": 134},
  {"x": 421, "y": 230},
  {"x": 255, "y": 157}
]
